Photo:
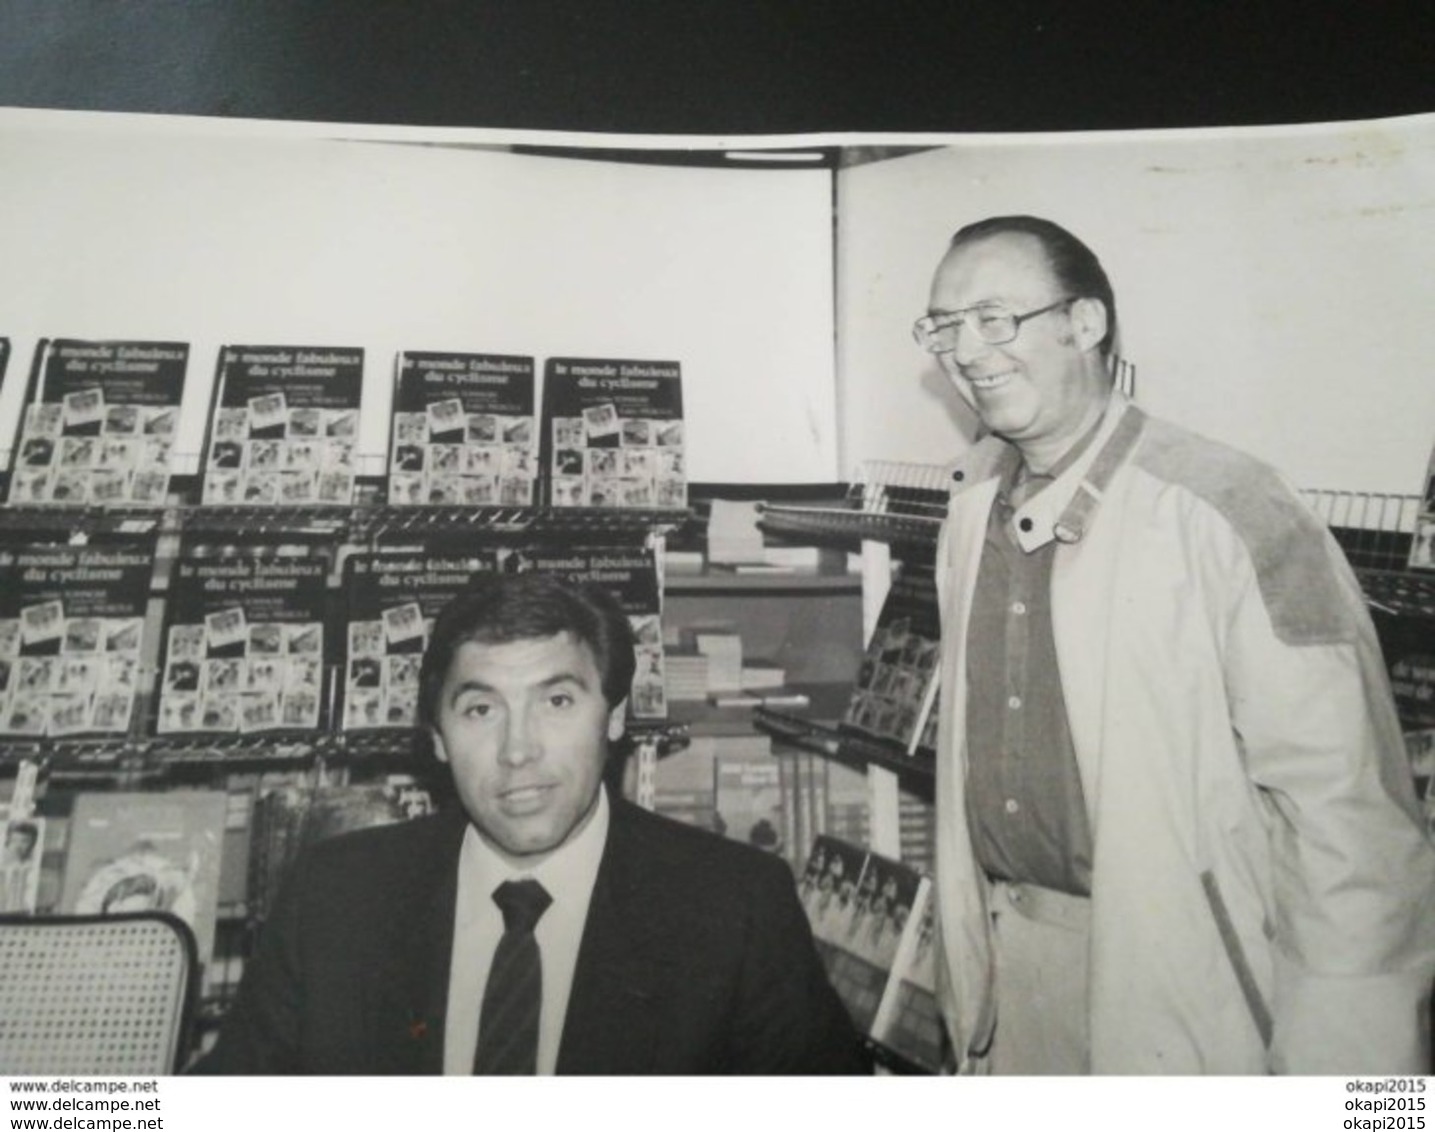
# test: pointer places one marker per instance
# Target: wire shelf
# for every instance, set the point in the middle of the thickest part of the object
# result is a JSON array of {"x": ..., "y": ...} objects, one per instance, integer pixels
[
  {"x": 339, "y": 521},
  {"x": 829, "y": 740},
  {"x": 890, "y": 501},
  {"x": 1377, "y": 531},
  {"x": 154, "y": 757}
]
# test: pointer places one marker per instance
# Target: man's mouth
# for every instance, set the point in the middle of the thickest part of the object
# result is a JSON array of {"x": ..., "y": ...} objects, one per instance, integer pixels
[
  {"x": 988, "y": 382},
  {"x": 525, "y": 797}
]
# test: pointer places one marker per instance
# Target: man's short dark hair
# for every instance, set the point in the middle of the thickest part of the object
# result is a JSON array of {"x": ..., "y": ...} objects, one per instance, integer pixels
[
  {"x": 1074, "y": 265},
  {"x": 501, "y": 608}
]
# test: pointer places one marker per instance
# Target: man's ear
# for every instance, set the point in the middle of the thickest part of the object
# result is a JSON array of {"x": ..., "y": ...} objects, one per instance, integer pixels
[
  {"x": 1088, "y": 320},
  {"x": 617, "y": 721},
  {"x": 439, "y": 750}
]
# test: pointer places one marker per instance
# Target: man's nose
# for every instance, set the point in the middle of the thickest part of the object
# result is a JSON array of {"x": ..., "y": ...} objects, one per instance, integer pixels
[
  {"x": 967, "y": 347},
  {"x": 520, "y": 743}
]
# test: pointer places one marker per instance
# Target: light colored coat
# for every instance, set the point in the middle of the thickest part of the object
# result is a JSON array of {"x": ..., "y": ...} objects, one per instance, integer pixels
[{"x": 1263, "y": 892}]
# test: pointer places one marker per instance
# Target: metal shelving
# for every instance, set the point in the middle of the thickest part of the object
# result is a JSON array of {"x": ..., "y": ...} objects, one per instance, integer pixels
[{"x": 359, "y": 522}]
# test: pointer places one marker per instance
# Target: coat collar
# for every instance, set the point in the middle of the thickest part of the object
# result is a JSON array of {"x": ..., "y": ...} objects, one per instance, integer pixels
[
  {"x": 611, "y": 1028},
  {"x": 409, "y": 996},
  {"x": 1066, "y": 508}
]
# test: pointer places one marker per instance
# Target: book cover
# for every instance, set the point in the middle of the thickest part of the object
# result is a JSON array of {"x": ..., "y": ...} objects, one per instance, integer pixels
[
  {"x": 282, "y": 425},
  {"x": 72, "y": 627},
  {"x": 858, "y": 904},
  {"x": 908, "y": 1020},
  {"x": 896, "y": 685},
  {"x": 631, "y": 575},
  {"x": 747, "y": 789},
  {"x": 1422, "y": 544},
  {"x": 98, "y": 422},
  {"x": 683, "y": 786},
  {"x": 464, "y": 430},
  {"x": 159, "y": 851},
  {"x": 846, "y": 800},
  {"x": 392, "y": 599},
  {"x": 246, "y": 641},
  {"x": 21, "y": 854},
  {"x": 1407, "y": 643},
  {"x": 288, "y": 819},
  {"x": 612, "y": 433}
]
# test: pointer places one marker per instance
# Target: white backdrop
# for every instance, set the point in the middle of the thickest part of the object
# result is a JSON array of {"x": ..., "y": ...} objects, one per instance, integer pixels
[
  {"x": 1274, "y": 284},
  {"x": 1276, "y": 287},
  {"x": 208, "y": 232}
]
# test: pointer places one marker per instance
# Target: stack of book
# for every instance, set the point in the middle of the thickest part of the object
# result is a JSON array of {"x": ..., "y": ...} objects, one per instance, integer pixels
[
  {"x": 722, "y": 645},
  {"x": 685, "y": 674}
]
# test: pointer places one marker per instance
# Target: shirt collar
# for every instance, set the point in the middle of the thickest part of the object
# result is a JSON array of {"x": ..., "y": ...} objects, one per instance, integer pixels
[
  {"x": 1018, "y": 472},
  {"x": 568, "y": 873},
  {"x": 1063, "y": 510}
]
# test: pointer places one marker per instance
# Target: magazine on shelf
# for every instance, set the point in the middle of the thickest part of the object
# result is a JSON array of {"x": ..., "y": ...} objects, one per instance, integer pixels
[
  {"x": 1422, "y": 544},
  {"x": 463, "y": 430},
  {"x": 282, "y": 425},
  {"x": 289, "y": 818},
  {"x": 859, "y": 905},
  {"x": 909, "y": 1020},
  {"x": 631, "y": 575},
  {"x": 612, "y": 433},
  {"x": 873, "y": 919},
  {"x": 896, "y": 686},
  {"x": 683, "y": 786},
  {"x": 748, "y": 793},
  {"x": 159, "y": 851},
  {"x": 245, "y": 645},
  {"x": 98, "y": 423},
  {"x": 72, "y": 621},
  {"x": 392, "y": 598},
  {"x": 21, "y": 854}
]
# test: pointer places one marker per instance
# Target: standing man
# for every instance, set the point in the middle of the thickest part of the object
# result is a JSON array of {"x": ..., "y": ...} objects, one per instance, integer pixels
[
  {"x": 539, "y": 926},
  {"x": 1176, "y": 827}
]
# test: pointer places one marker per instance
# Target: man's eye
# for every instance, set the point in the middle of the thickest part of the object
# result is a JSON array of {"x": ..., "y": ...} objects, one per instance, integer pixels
[
  {"x": 560, "y": 700},
  {"x": 476, "y": 709}
]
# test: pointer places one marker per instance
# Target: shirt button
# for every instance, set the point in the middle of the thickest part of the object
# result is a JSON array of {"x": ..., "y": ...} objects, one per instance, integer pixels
[
  {"x": 1013, "y": 702},
  {"x": 1011, "y": 806},
  {"x": 1025, "y": 524},
  {"x": 959, "y": 476},
  {"x": 1018, "y": 607}
]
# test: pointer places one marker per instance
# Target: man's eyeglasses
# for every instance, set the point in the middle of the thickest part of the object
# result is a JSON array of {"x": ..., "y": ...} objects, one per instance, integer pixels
[{"x": 994, "y": 325}]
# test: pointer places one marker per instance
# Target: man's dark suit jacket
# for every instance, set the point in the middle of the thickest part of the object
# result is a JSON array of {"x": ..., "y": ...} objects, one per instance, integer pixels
[{"x": 696, "y": 958}]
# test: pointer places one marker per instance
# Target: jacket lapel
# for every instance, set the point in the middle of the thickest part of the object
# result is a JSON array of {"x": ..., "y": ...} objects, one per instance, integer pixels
[
  {"x": 408, "y": 996},
  {"x": 612, "y": 1016}
]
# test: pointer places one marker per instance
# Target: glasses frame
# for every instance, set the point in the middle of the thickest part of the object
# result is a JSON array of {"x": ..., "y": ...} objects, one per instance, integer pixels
[{"x": 926, "y": 328}]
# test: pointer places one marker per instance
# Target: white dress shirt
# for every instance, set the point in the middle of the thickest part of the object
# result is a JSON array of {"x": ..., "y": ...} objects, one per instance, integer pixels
[{"x": 568, "y": 875}]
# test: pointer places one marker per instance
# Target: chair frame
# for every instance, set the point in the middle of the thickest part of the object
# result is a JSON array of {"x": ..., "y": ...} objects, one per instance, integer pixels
[{"x": 189, "y": 993}]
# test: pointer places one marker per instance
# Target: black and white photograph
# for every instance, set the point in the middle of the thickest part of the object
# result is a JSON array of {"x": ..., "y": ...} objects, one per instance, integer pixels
[{"x": 1067, "y": 375}]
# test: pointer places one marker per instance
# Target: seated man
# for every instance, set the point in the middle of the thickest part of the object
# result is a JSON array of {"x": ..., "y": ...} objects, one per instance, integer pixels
[{"x": 541, "y": 926}]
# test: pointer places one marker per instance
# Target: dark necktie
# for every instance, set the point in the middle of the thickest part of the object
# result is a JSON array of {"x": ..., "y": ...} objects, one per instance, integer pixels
[{"x": 508, "y": 1022}]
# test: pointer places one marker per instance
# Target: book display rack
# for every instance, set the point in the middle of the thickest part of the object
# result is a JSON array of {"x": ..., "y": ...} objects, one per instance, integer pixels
[{"x": 143, "y": 752}]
